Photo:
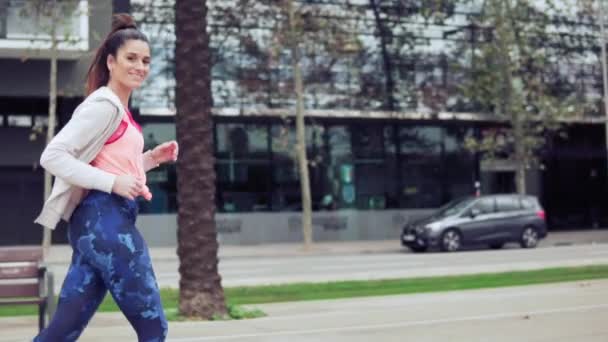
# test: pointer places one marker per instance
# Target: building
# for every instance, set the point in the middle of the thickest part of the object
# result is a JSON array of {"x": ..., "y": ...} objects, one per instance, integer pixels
[{"x": 378, "y": 158}]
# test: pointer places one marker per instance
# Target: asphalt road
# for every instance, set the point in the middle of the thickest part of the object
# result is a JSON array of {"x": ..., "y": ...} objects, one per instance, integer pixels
[
  {"x": 565, "y": 312},
  {"x": 396, "y": 264}
]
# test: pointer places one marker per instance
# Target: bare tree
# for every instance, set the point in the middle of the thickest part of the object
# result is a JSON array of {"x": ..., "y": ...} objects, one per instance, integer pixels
[
  {"x": 511, "y": 82},
  {"x": 60, "y": 14}
]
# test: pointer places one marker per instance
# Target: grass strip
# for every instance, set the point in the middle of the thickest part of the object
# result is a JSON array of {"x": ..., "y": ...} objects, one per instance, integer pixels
[{"x": 236, "y": 296}]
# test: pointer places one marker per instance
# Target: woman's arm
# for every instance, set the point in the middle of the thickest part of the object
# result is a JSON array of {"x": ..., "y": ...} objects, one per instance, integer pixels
[
  {"x": 149, "y": 161},
  {"x": 163, "y": 153},
  {"x": 59, "y": 157}
]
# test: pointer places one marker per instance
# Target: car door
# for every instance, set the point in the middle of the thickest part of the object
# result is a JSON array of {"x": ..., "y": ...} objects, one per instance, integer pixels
[
  {"x": 512, "y": 217},
  {"x": 475, "y": 228}
]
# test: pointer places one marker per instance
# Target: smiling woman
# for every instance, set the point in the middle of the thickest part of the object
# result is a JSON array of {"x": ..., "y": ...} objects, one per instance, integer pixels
[
  {"x": 131, "y": 65},
  {"x": 100, "y": 170}
]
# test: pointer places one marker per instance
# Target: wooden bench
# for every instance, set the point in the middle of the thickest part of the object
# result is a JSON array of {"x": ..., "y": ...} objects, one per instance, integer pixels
[{"x": 24, "y": 280}]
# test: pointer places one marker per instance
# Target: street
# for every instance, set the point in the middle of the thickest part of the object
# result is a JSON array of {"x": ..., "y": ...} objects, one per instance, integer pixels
[
  {"x": 575, "y": 311},
  {"x": 397, "y": 263}
]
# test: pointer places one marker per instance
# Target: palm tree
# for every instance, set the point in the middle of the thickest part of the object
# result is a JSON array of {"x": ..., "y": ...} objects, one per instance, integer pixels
[{"x": 201, "y": 293}]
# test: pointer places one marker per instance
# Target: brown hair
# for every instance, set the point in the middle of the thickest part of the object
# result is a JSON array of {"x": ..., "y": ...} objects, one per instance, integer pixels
[{"x": 123, "y": 29}]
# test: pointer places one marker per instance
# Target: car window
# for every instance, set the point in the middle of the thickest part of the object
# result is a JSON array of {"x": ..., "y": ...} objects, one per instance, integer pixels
[
  {"x": 453, "y": 207},
  {"x": 507, "y": 203},
  {"x": 484, "y": 205},
  {"x": 528, "y": 203}
]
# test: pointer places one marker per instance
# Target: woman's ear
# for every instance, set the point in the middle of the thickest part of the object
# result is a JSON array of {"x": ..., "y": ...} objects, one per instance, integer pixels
[{"x": 110, "y": 62}]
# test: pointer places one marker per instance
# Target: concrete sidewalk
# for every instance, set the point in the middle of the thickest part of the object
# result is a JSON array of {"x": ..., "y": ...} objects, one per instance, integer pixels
[
  {"x": 571, "y": 311},
  {"x": 61, "y": 254}
]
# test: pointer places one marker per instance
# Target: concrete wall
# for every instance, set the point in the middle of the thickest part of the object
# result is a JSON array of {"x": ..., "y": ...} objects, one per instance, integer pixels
[{"x": 256, "y": 228}]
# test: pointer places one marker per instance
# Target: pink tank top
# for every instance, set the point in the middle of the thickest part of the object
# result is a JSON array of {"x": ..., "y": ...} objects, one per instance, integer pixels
[{"x": 122, "y": 154}]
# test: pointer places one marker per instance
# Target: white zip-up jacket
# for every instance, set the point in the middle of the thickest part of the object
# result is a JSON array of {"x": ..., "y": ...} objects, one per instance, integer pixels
[{"x": 70, "y": 152}]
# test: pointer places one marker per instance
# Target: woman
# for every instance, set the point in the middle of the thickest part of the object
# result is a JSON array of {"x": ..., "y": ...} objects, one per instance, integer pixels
[{"x": 100, "y": 170}]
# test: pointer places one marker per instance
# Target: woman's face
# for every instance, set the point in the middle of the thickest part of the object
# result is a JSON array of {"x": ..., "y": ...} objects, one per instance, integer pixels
[{"x": 131, "y": 65}]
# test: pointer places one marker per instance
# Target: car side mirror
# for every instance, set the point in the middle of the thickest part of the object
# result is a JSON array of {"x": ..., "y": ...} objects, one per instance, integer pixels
[{"x": 474, "y": 212}]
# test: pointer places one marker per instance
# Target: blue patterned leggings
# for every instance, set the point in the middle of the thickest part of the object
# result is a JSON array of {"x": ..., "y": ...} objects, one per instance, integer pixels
[{"x": 109, "y": 254}]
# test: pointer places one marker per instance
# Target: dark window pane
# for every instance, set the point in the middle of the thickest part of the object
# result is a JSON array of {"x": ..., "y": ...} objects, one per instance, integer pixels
[
  {"x": 243, "y": 186},
  {"x": 162, "y": 181},
  {"x": 368, "y": 141},
  {"x": 375, "y": 166},
  {"x": 243, "y": 167},
  {"x": 239, "y": 141},
  {"x": 420, "y": 166},
  {"x": 340, "y": 191},
  {"x": 459, "y": 172},
  {"x": 286, "y": 189}
]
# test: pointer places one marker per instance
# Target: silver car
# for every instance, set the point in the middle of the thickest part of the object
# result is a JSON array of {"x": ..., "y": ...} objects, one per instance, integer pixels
[{"x": 491, "y": 220}]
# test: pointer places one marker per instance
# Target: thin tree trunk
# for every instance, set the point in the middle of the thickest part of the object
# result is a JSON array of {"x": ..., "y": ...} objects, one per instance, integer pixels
[
  {"x": 390, "y": 102},
  {"x": 519, "y": 155},
  {"x": 300, "y": 128},
  {"x": 201, "y": 293},
  {"x": 46, "y": 235},
  {"x": 515, "y": 83},
  {"x": 510, "y": 90}
]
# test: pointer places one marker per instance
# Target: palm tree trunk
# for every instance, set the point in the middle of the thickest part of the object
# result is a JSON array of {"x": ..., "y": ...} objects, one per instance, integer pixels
[{"x": 201, "y": 293}]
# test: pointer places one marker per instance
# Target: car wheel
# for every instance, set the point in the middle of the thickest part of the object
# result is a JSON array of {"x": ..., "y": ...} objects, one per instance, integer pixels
[
  {"x": 497, "y": 245},
  {"x": 451, "y": 240},
  {"x": 529, "y": 238},
  {"x": 418, "y": 249}
]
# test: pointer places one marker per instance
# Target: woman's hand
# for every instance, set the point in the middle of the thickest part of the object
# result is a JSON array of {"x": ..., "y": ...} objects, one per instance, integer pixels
[
  {"x": 129, "y": 187},
  {"x": 165, "y": 152}
]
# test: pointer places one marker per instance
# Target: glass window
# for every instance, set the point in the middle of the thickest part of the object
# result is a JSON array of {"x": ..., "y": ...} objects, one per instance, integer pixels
[
  {"x": 340, "y": 191},
  {"x": 368, "y": 141},
  {"x": 20, "y": 120},
  {"x": 286, "y": 188},
  {"x": 285, "y": 173},
  {"x": 420, "y": 166},
  {"x": 243, "y": 167},
  {"x": 242, "y": 140},
  {"x": 318, "y": 164},
  {"x": 507, "y": 203},
  {"x": 459, "y": 172},
  {"x": 41, "y": 121},
  {"x": 485, "y": 205},
  {"x": 162, "y": 180},
  {"x": 528, "y": 203},
  {"x": 375, "y": 166}
]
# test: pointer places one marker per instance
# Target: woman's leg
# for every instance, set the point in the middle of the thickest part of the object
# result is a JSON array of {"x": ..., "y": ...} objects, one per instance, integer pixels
[
  {"x": 82, "y": 291},
  {"x": 121, "y": 257},
  {"x": 133, "y": 286}
]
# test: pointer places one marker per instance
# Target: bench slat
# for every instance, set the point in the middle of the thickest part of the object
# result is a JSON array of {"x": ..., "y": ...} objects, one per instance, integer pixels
[
  {"x": 19, "y": 290},
  {"x": 22, "y": 301},
  {"x": 18, "y": 272},
  {"x": 20, "y": 253}
]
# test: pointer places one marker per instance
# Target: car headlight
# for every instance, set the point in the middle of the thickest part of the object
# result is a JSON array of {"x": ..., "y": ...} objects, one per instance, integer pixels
[{"x": 432, "y": 226}]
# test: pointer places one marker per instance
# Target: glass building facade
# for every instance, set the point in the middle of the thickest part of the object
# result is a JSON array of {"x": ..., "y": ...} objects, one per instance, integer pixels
[
  {"x": 352, "y": 164},
  {"x": 383, "y": 79}
]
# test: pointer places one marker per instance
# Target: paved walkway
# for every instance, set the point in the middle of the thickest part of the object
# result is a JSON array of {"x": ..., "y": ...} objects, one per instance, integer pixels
[
  {"x": 112, "y": 326},
  {"x": 574, "y": 311}
]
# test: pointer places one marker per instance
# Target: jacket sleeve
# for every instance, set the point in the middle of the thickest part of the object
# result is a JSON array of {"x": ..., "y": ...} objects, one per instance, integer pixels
[{"x": 60, "y": 156}]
